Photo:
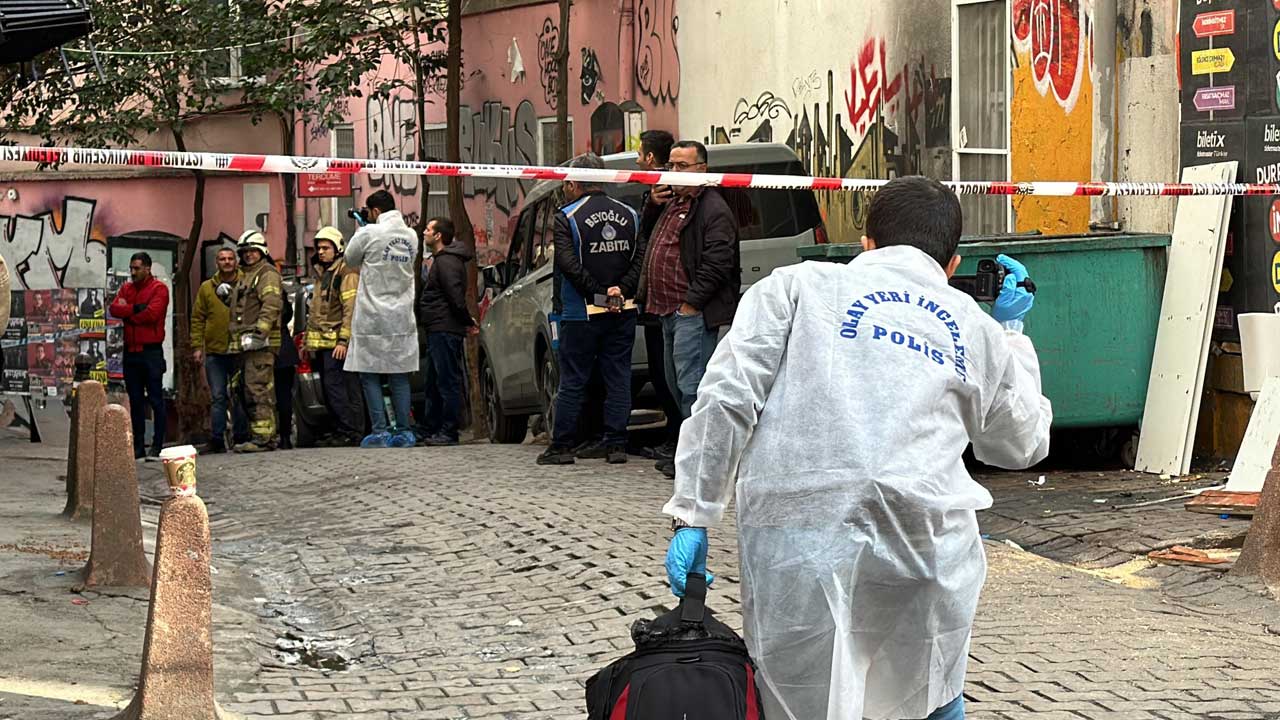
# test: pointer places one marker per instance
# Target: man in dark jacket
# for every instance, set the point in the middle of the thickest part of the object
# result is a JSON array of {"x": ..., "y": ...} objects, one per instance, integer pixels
[
  {"x": 142, "y": 304},
  {"x": 442, "y": 308},
  {"x": 691, "y": 277},
  {"x": 597, "y": 255}
]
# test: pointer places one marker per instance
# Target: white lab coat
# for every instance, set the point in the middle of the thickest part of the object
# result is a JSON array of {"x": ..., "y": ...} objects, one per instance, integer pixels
[
  {"x": 384, "y": 333},
  {"x": 843, "y": 426}
]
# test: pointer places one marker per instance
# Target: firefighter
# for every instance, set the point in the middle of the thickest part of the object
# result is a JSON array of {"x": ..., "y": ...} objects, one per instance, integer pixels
[
  {"x": 333, "y": 302},
  {"x": 255, "y": 332}
]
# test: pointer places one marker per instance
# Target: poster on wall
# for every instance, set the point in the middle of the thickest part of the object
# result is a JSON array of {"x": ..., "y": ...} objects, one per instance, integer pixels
[
  {"x": 114, "y": 332},
  {"x": 93, "y": 332},
  {"x": 14, "y": 343}
]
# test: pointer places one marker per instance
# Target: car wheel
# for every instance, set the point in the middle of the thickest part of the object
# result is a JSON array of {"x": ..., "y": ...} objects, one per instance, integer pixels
[
  {"x": 504, "y": 429},
  {"x": 549, "y": 386}
]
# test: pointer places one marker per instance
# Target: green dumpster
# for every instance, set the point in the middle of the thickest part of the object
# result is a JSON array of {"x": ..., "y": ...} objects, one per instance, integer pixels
[{"x": 1095, "y": 319}]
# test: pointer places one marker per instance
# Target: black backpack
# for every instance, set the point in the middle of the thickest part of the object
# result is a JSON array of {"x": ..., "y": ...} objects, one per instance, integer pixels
[{"x": 687, "y": 664}]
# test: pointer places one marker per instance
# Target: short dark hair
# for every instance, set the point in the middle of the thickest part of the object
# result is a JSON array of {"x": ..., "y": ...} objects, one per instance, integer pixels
[
  {"x": 702, "y": 149},
  {"x": 444, "y": 226},
  {"x": 141, "y": 257},
  {"x": 919, "y": 212},
  {"x": 659, "y": 143},
  {"x": 380, "y": 201}
]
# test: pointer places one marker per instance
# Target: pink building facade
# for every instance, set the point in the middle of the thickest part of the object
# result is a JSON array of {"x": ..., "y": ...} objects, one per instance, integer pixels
[
  {"x": 624, "y": 68},
  {"x": 624, "y": 78}
]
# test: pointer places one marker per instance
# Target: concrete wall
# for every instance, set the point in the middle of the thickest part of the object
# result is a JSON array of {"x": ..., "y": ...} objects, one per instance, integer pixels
[
  {"x": 1148, "y": 109},
  {"x": 857, "y": 89}
]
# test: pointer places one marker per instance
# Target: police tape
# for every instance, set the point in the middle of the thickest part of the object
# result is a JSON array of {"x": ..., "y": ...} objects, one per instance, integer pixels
[{"x": 293, "y": 164}]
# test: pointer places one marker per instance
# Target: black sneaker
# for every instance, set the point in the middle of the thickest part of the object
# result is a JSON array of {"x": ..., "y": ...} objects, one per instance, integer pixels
[
  {"x": 617, "y": 456},
  {"x": 440, "y": 441},
  {"x": 592, "y": 451},
  {"x": 556, "y": 456},
  {"x": 216, "y": 448},
  {"x": 666, "y": 467},
  {"x": 665, "y": 451}
]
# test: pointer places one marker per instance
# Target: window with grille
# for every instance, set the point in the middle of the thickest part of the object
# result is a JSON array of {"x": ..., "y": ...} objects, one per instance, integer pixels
[
  {"x": 344, "y": 146},
  {"x": 547, "y": 146},
  {"x": 436, "y": 140}
]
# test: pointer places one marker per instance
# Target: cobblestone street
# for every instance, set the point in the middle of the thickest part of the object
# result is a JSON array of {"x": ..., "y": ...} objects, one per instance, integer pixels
[{"x": 468, "y": 582}]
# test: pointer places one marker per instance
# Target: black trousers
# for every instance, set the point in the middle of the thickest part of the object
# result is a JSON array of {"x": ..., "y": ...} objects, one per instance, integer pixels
[
  {"x": 143, "y": 376},
  {"x": 655, "y": 351}
]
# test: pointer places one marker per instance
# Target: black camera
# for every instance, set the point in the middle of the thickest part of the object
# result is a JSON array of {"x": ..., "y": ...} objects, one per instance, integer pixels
[
  {"x": 985, "y": 285},
  {"x": 360, "y": 215}
]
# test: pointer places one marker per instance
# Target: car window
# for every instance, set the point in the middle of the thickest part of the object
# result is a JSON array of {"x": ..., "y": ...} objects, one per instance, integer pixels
[
  {"x": 518, "y": 259},
  {"x": 771, "y": 213},
  {"x": 629, "y": 193},
  {"x": 544, "y": 233}
]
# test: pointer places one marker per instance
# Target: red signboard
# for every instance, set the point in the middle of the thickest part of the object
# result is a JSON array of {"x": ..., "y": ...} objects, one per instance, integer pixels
[
  {"x": 1212, "y": 24},
  {"x": 330, "y": 184}
]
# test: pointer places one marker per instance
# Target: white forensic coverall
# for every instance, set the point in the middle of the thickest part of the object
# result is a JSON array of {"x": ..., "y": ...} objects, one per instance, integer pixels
[
  {"x": 841, "y": 401},
  {"x": 384, "y": 333}
]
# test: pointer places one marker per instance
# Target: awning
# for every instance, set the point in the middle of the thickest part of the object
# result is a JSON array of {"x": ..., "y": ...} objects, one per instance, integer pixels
[{"x": 29, "y": 27}]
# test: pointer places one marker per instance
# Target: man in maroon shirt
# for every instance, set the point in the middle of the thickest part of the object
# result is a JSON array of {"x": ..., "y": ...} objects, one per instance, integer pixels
[
  {"x": 142, "y": 304},
  {"x": 691, "y": 278}
]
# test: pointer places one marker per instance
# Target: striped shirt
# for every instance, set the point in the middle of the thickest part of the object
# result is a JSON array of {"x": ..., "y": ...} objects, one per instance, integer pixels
[{"x": 667, "y": 280}]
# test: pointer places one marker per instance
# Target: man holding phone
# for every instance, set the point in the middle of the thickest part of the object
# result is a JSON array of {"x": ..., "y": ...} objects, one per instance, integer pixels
[{"x": 597, "y": 267}]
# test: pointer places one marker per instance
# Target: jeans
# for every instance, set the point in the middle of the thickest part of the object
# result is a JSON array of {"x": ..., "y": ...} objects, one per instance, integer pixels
[
  {"x": 143, "y": 376},
  {"x": 444, "y": 384},
  {"x": 687, "y": 345},
  {"x": 218, "y": 371},
  {"x": 585, "y": 345},
  {"x": 342, "y": 393},
  {"x": 656, "y": 352},
  {"x": 953, "y": 710},
  {"x": 399, "y": 383}
]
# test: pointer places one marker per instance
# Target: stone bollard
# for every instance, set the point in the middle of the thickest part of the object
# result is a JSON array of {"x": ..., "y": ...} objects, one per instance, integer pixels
[
  {"x": 177, "y": 655},
  {"x": 90, "y": 397},
  {"x": 116, "y": 558}
]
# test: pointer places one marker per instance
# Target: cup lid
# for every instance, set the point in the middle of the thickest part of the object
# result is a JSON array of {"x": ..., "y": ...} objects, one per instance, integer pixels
[{"x": 181, "y": 451}]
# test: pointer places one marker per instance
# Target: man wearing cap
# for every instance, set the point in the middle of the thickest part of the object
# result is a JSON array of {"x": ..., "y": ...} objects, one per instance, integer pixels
[
  {"x": 255, "y": 331},
  {"x": 333, "y": 302},
  {"x": 211, "y": 346}
]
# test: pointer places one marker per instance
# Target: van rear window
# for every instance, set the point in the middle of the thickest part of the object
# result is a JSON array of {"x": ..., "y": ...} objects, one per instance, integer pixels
[{"x": 760, "y": 213}]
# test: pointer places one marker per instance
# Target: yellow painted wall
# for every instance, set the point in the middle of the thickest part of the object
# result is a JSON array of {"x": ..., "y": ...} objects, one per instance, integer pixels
[{"x": 1051, "y": 137}]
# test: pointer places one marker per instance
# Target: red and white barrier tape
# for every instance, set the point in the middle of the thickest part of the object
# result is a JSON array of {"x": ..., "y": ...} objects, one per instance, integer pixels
[{"x": 237, "y": 162}]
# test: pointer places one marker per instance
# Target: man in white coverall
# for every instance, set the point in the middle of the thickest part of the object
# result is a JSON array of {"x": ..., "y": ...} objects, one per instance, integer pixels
[{"x": 841, "y": 402}]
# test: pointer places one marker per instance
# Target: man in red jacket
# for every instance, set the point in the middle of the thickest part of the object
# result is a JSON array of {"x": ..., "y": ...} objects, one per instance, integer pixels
[{"x": 142, "y": 304}]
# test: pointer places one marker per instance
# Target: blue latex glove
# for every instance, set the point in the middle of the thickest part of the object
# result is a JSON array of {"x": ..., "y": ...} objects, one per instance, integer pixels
[
  {"x": 687, "y": 553},
  {"x": 1014, "y": 302}
]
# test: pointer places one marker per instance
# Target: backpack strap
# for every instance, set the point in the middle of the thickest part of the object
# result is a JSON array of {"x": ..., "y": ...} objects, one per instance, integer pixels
[{"x": 694, "y": 604}]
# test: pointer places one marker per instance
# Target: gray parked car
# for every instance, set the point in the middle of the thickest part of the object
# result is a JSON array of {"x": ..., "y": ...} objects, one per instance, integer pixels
[{"x": 518, "y": 371}]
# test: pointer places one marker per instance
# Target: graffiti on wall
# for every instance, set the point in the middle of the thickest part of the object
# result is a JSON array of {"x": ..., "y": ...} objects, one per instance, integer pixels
[
  {"x": 496, "y": 136},
  {"x": 1051, "y": 32},
  {"x": 887, "y": 124},
  {"x": 657, "y": 59},
  {"x": 392, "y": 135},
  {"x": 548, "y": 68},
  {"x": 54, "y": 249},
  {"x": 590, "y": 76}
]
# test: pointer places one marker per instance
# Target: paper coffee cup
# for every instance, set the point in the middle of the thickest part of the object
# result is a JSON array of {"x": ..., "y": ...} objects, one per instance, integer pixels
[{"x": 180, "y": 469}]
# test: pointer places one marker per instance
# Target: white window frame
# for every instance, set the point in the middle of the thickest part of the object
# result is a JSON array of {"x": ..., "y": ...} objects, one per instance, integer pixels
[
  {"x": 956, "y": 89},
  {"x": 236, "y": 77},
  {"x": 543, "y": 153}
]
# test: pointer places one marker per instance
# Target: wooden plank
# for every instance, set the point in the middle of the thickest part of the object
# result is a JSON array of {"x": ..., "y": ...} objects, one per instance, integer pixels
[
  {"x": 1254, "y": 459},
  {"x": 1220, "y": 502},
  {"x": 1186, "y": 321}
]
